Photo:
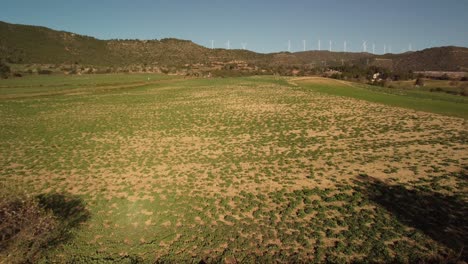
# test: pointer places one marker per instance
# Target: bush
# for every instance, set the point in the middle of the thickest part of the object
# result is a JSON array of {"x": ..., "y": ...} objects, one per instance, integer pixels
[
  {"x": 44, "y": 72},
  {"x": 29, "y": 225},
  {"x": 4, "y": 70},
  {"x": 444, "y": 77},
  {"x": 25, "y": 229},
  {"x": 464, "y": 91},
  {"x": 337, "y": 76},
  {"x": 382, "y": 83},
  {"x": 419, "y": 82}
]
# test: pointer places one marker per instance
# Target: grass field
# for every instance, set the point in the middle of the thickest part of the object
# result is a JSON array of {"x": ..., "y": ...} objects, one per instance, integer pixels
[
  {"x": 417, "y": 99},
  {"x": 240, "y": 170},
  {"x": 79, "y": 84},
  {"x": 439, "y": 87}
]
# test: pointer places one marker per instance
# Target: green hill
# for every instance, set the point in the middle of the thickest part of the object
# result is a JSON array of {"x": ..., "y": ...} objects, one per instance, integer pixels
[
  {"x": 434, "y": 59},
  {"x": 23, "y": 44},
  {"x": 32, "y": 44}
]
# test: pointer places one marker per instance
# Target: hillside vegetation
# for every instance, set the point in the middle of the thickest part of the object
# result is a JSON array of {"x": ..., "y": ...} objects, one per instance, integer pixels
[{"x": 23, "y": 44}]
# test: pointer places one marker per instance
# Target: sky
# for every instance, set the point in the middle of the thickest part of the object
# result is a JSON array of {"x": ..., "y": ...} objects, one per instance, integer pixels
[{"x": 263, "y": 26}]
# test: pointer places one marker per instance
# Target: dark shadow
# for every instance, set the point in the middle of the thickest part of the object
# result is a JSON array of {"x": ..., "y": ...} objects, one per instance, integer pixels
[
  {"x": 443, "y": 218},
  {"x": 69, "y": 210}
]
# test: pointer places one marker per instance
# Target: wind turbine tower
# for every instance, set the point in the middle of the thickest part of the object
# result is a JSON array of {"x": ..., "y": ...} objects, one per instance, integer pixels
[
  {"x": 212, "y": 44},
  {"x": 385, "y": 49},
  {"x": 228, "y": 44},
  {"x": 330, "y": 45},
  {"x": 344, "y": 46},
  {"x": 364, "y": 46},
  {"x": 304, "y": 44},
  {"x": 319, "y": 44},
  {"x": 244, "y": 46}
]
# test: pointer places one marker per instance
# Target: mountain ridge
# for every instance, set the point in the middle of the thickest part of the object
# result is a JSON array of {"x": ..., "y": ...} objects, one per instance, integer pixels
[{"x": 25, "y": 44}]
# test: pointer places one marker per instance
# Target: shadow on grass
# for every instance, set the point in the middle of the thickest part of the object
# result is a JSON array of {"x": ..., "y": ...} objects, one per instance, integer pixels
[
  {"x": 443, "y": 218},
  {"x": 70, "y": 211}
]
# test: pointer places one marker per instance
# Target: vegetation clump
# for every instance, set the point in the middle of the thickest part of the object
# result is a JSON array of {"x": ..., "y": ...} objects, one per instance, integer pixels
[
  {"x": 29, "y": 225},
  {"x": 419, "y": 82},
  {"x": 4, "y": 70}
]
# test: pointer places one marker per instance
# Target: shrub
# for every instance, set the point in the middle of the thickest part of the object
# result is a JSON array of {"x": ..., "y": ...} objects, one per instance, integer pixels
[
  {"x": 419, "y": 82},
  {"x": 4, "y": 70},
  {"x": 464, "y": 91},
  {"x": 25, "y": 228},
  {"x": 44, "y": 72},
  {"x": 29, "y": 225},
  {"x": 444, "y": 77}
]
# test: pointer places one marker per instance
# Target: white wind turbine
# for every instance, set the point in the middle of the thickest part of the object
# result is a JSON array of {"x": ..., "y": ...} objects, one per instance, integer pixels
[
  {"x": 364, "y": 46},
  {"x": 244, "y": 45},
  {"x": 228, "y": 44},
  {"x": 330, "y": 45},
  {"x": 304, "y": 44},
  {"x": 319, "y": 44},
  {"x": 345, "y": 46},
  {"x": 212, "y": 44}
]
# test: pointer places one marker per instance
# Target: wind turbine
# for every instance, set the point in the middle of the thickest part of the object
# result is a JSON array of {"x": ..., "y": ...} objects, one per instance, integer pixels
[
  {"x": 319, "y": 44},
  {"x": 344, "y": 46},
  {"x": 289, "y": 45},
  {"x": 304, "y": 44},
  {"x": 330, "y": 45},
  {"x": 385, "y": 49},
  {"x": 212, "y": 44},
  {"x": 364, "y": 46},
  {"x": 228, "y": 44},
  {"x": 244, "y": 46}
]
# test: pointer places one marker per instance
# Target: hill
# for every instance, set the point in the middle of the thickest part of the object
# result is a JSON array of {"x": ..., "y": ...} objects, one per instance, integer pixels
[
  {"x": 32, "y": 44},
  {"x": 434, "y": 59},
  {"x": 26, "y": 44}
]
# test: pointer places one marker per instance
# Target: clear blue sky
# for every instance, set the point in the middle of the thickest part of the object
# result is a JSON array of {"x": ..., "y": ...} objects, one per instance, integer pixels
[{"x": 266, "y": 26}]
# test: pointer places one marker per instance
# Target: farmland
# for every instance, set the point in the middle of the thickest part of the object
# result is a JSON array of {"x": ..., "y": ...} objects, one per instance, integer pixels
[{"x": 266, "y": 169}]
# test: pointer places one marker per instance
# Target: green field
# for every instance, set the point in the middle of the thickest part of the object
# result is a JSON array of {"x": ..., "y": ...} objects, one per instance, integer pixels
[
  {"x": 239, "y": 170},
  {"x": 417, "y": 99},
  {"x": 440, "y": 86},
  {"x": 33, "y": 85}
]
